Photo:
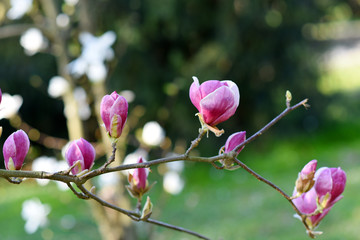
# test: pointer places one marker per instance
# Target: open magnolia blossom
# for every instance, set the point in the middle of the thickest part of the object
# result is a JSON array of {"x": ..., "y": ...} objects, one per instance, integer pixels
[
  {"x": 326, "y": 191},
  {"x": 215, "y": 100},
  {"x": 81, "y": 153},
  {"x": 15, "y": 149}
]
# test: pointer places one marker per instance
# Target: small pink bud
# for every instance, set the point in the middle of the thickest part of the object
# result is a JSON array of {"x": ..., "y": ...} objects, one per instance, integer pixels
[
  {"x": 138, "y": 181},
  {"x": 0, "y": 95},
  {"x": 82, "y": 151},
  {"x": 113, "y": 111},
  {"x": 235, "y": 140},
  {"x": 140, "y": 176},
  {"x": 15, "y": 149},
  {"x": 216, "y": 100},
  {"x": 305, "y": 180},
  {"x": 232, "y": 142}
]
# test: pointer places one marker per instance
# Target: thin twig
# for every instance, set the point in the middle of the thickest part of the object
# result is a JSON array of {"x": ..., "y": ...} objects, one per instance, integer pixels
[
  {"x": 195, "y": 142},
  {"x": 106, "y": 204},
  {"x": 79, "y": 195},
  {"x": 264, "y": 180},
  {"x": 180, "y": 229},
  {"x": 270, "y": 124}
]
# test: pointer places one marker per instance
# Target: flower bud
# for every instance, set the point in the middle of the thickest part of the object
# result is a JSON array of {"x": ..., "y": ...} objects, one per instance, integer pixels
[
  {"x": 216, "y": 100},
  {"x": 235, "y": 140},
  {"x": 138, "y": 181},
  {"x": 81, "y": 153},
  {"x": 15, "y": 149},
  {"x": 232, "y": 142},
  {"x": 147, "y": 209},
  {"x": 327, "y": 190},
  {"x": 305, "y": 180},
  {"x": 0, "y": 95},
  {"x": 113, "y": 111}
]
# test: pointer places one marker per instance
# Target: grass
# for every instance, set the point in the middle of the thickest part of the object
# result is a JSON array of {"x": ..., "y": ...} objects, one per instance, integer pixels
[{"x": 218, "y": 204}]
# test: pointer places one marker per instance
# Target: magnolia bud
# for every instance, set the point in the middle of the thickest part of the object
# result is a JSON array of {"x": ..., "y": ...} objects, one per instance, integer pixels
[
  {"x": 232, "y": 142},
  {"x": 138, "y": 181},
  {"x": 114, "y": 111},
  {"x": 81, "y": 153},
  {"x": 15, "y": 149},
  {"x": 147, "y": 209}
]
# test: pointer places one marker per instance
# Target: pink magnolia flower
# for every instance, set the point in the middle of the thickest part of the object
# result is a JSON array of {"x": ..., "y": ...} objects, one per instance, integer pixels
[
  {"x": 216, "y": 100},
  {"x": 82, "y": 151},
  {"x": 15, "y": 149},
  {"x": 235, "y": 140},
  {"x": 0, "y": 95},
  {"x": 114, "y": 111},
  {"x": 138, "y": 181},
  {"x": 327, "y": 190}
]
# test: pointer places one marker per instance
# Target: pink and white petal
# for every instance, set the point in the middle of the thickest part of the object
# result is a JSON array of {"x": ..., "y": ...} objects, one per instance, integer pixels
[
  {"x": 215, "y": 106},
  {"x": 194, "y": 93}
]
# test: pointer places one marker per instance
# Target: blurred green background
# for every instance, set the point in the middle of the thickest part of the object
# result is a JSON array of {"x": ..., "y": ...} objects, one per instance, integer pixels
[{"x": 311, "y": 48}]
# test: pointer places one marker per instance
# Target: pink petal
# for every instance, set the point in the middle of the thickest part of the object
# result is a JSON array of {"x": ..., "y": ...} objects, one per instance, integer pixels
[
  {"x": 218, "y": 106},
  {"x": 234, "y": 140},
  {"x": 195, "y": 94},
  {"x": 323, "y": 181}
]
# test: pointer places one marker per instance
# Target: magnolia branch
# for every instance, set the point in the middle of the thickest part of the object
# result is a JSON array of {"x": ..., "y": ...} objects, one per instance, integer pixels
[{"x": 17, "y": 176}]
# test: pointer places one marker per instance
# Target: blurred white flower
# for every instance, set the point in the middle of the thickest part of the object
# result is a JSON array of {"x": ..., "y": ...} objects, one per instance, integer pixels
[
  {"x": 71, "y": 2},
  {"x": 83, "y": 106},
  {"x": 153, "y": 134},
  {"x": 51, "y": 165},
  {"x": 57, "y": 86},
  {"x": 47, "y": 164},
  {"x": 10, "y": 105},
  {"x": 109, "y": 179},
  {"x": 62, "y": 20},
  {"x": 62, "y": 166},
  {"x": 177, "y": 166},
  {"x": 96, "y": 72},
  {"x": 32, "y": 40},
  {"x": 18, "y": 8},
  {"x": 35, "y": 214},
  {"x": 132, "y": 158},
  {"x": 95, "y": 51},
  {"x": 173, "y": 183},
  {"x": 128, "y": 95}
]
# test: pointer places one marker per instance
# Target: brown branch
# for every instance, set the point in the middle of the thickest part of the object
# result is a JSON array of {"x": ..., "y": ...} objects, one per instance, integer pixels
[
  {"x": 180, "y": 229},
  {"x": 135, "y": 216},
  {"x": 272, "y": 122},
  {"x": 287, "y": 197}
]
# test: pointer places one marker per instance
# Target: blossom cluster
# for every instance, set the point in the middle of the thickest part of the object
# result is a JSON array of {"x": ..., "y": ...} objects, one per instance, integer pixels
[{"x": 315, "y": 192}]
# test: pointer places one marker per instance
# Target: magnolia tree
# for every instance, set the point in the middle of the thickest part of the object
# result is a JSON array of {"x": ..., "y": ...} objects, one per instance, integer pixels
[
  {"x": 315, "y": 192},
  {"x": 53, "y": 30}
]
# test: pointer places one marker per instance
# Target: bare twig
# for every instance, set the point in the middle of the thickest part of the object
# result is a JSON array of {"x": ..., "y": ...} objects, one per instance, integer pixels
[
  {"x": 180, "y": 229},
  {"x": 270, "y": 124},
  {"x": 195, "y": 142}
]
